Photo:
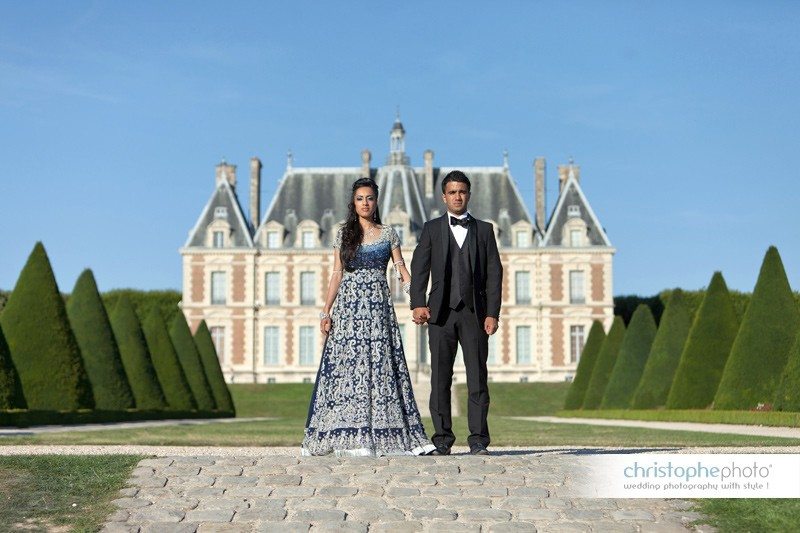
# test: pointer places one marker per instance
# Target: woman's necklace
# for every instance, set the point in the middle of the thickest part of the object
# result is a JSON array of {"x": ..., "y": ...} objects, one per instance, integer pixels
[{"x": 369, "y": 233}]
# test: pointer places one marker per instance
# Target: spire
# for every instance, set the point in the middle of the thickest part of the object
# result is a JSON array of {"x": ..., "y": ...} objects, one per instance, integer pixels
[
  {"x": 397, "y": 142},
  {"x": 289, "y": 160},
  {"x": 505, "y": 160}
]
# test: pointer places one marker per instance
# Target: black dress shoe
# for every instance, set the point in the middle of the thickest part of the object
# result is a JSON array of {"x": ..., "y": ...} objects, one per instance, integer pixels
[
  {"x": 440, "y": 451},
  {"x": 478, "y": 449}
]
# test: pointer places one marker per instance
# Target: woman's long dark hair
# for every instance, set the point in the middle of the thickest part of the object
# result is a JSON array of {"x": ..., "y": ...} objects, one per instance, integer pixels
[{"x": 352, "y": 233}]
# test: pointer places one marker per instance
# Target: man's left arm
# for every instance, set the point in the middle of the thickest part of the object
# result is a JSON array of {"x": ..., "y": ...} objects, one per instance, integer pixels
[{"x": 494, "y": 283}]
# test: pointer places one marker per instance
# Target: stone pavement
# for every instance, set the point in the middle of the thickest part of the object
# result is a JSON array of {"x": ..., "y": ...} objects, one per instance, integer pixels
[{"x": 511, "y": 490}]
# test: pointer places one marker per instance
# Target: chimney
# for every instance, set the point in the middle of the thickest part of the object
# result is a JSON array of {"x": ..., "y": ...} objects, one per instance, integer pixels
[
  {"x": 567, "y": 171},
  {"x": 428, "y": 156},
  {"x": 255, "y": 191},
  {"x": 366, "y": 160},
  {"x": 539, "y": 168},
  {"x": 226, "y": 172}
]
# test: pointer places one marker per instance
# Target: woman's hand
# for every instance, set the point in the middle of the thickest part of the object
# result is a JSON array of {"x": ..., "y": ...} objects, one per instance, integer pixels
[{"x": 325, "y": 325}]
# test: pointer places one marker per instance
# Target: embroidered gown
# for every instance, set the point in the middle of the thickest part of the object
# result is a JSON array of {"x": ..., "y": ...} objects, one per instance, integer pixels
[{"x": 362, "y": 402}]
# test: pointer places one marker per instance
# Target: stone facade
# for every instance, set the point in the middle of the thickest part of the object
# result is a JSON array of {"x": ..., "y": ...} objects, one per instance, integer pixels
[{"x": 260, "y": 287}]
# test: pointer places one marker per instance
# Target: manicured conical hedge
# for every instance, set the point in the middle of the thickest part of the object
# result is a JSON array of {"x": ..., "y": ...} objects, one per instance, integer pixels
[
  {"x": 604, "y": 365},
  {"x": 761, "y": 349},
  {"x": 631, "y": 360},
  {"x": 190, "y": 361},
  {"x": 43, "y": 347},
  {"x": 706, "y": 351},
  {"x": 208, "y": 356},
  {"x": 165, "y": 360},
  {"x": 101, "y": 358},
  {"x": 787, "y": 397},
  {"x": 665, "y": 354},
  {"x": 11, "y": 396},
  {"x": 577, "y": 390},
  {"x": 136, "y": 357}
]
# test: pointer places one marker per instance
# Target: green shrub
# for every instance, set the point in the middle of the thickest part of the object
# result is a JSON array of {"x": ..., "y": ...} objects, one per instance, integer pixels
[
  {"x": 136, "y": 357},
  {"x": 208, "y": 356},
  {"x": 604, "y": 365},
  {"x": 577, "y": 389},
  {"x": 165, "y": 361},
  {"x": 101, "y": 358},
  {"x": 761, "y": 349},
  {"x": 787, "y": 397},
  {"x": 190, "y": 361},
  {"x": 665, "y": 355},
  {"x": 144, "y": 301},
  {"x": 631, "y": 360},
  {"x": 43, "y": 348},
  {"x": 706, "y": 350},
  {"x": 11, "y": 396}
]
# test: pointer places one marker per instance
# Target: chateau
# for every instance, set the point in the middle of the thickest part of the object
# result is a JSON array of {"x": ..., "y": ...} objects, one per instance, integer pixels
[{"x": 260, "y": 283}]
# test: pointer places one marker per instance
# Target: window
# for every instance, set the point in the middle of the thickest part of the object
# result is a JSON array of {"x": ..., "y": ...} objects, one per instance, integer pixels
[
  {"x": 492, "y": 359},
  {"x": 306, "y": 345},
  {"x": 272, "y": 240},
  {"x": 270, "y": 380},
  {"x": 219, "y": 239},
  {"x": 271, "y": 335},
  {"x": 218, "y": 288},
  {"x": 523, "y": 379},
  {"x": 523, "y": 287},
  {"x": 575, "y": 238},
  {"x": 307, "y": 291},
  {"x": 220, "y": 212},
  {"x": 573, "y": 211},
  {"x": 522, "y": 238},
  {"x": 576, "y": 292},
  {"x": 218, "y": 338},
  {"x": 272, "y": 288},
  {"x": 523, "y": 345},
  {"x": 399, "y": 229},
  {"x": 576, "y": 343},
  {"x": 306, "y": 380},
  {"x": 397, "y": 287},
  {"x": 308, "y": 239}
]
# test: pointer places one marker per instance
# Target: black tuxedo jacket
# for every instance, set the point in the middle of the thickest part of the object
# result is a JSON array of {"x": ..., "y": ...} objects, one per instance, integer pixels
[{"x": 430, "y": 259}]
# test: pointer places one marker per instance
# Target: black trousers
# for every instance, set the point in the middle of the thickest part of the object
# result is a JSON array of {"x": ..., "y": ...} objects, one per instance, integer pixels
[{"x": 459, "y": 326}]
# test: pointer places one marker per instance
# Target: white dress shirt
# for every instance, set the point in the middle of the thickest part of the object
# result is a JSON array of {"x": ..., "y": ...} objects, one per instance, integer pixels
[{"x": 459, "y": 232}]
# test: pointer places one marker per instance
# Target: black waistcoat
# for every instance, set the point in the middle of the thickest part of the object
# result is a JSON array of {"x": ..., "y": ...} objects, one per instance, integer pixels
[{"x": 461, "y": 289}]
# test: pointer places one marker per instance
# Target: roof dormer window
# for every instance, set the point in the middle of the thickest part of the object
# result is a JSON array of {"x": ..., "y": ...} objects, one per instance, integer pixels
[
  {"x": 221, "y": 212},
  {"x": 573, "y": 211}
]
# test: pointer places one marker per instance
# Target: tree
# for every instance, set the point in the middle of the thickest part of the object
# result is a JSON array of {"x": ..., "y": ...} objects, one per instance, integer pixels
[
  {"x": 165, "y": 361},
  {"x": 136, "y": 357},
  {"x": 101, "y": 358},
  {"x": 190, "y": 361},
  {"x": 761, "y": 349},
  {"x": 208, "y": 356},
  {"x": 787, "y": 397},
  {"x": 604, "y": 365},
  {"x": 11, "y": 396},
  {"x": 577, "y": 390},
  {"x": 706, "y": 350},
  {"x": 631, "y": 360},
  {"x": 43, "y": 348},
  {"x": 665, "y": 355}
]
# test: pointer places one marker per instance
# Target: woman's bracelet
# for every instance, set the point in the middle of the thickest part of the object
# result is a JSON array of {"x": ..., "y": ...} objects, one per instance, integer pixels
[
  {"x": 407, "y": 287},
  {"x": 323, "y": 315}
]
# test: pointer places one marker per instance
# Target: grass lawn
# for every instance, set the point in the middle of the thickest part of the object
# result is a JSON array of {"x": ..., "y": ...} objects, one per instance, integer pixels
[
  {"x": 751, "y": 515},
  {"x": 60, "y": 492}
]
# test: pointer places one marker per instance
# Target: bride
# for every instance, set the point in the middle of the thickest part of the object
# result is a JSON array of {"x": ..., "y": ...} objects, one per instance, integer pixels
[{"x": 362, "y": 402}]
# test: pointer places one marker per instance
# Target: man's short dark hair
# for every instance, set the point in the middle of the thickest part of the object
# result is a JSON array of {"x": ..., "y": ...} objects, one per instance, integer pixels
[{"x": 457, "y": 176}]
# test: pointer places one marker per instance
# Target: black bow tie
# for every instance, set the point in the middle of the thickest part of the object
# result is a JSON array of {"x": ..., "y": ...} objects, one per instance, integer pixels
[{"x": 464, "y": 222}]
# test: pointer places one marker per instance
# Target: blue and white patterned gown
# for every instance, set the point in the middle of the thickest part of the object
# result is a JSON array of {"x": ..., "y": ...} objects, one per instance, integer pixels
[{"x": 362, "y": 402}]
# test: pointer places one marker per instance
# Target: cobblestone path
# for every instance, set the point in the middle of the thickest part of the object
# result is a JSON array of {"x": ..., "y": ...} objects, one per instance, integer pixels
[{"x": 507, "y": 491}]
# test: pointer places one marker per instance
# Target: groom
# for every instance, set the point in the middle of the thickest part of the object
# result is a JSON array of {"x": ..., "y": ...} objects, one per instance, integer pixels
[{"x": 459, "y": 253}]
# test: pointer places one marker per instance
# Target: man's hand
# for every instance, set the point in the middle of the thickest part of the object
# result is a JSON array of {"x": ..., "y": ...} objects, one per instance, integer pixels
[
  {"x": 420, "y": 315},
  {"x": 490, "y": 325}
]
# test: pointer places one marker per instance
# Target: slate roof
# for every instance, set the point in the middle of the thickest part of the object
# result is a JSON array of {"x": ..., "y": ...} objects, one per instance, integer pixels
[
  {"x": 572, "y": 195},
  {"x": 223, "y": 196}
]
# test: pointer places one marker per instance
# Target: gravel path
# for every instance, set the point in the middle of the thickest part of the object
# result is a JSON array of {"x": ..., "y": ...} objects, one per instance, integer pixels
[
  {"x": 732, "y": 429},
  {"x": 39, "y": 430}
]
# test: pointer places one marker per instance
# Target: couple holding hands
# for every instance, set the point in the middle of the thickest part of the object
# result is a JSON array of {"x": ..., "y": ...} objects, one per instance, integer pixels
[{"x": 363, "y": 403}]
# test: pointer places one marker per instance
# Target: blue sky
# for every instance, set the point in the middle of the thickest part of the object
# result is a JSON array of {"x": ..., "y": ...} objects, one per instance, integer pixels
[{"x": 683, "y": 117}]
